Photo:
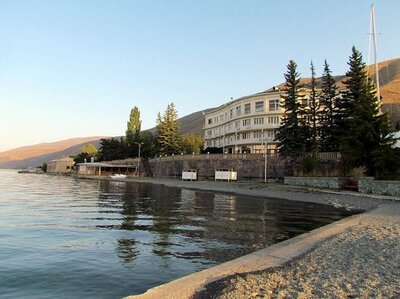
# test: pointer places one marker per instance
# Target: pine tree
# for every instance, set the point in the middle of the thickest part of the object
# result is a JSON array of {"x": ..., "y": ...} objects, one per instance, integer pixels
[
  {"x": 329, "y": 130},
  {"x": 291, "y": 134},
  {"x": 168, "y": 131},
  {"x": 367, "y": 142},
  {"x": 312, "y": 115}
]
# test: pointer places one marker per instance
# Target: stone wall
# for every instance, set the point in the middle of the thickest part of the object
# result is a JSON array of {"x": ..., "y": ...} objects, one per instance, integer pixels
[
  {"x": 379, "y": 187},
  {"x": 318, "y": 182},
  {"x": 247, "y": 166}
]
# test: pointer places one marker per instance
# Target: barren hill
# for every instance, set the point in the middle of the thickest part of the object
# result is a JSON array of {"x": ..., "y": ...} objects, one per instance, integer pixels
[{"x": 31, "y": 155}]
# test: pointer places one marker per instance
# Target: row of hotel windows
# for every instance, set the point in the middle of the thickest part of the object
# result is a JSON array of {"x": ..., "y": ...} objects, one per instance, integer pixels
[
  {"x": 257, "y": 135},
  {"x": 258, "y": 107},
  {"x": 271, "y": 120}
]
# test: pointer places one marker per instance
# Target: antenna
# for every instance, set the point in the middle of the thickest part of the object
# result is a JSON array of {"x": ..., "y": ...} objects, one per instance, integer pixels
[{"x": 372, "y": 40}]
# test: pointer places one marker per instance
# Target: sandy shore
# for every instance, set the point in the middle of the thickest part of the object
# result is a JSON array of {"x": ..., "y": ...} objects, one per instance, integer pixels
[{"x": 359, "y": 260}]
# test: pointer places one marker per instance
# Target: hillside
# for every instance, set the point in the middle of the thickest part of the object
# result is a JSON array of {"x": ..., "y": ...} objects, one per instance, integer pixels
[
  {"x": 389, "y": 79},
  {"x": 37, "y": 154}
]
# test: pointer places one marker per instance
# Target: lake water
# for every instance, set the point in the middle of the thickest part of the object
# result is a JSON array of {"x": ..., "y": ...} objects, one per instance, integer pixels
[{"x": 66, "y": 238}]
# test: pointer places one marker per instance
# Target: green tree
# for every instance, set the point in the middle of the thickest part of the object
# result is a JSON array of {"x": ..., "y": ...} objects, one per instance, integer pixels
[
  {"x": 368, "y": 141},
  {"x": 292, "y": 132},
  {"x": 168, "y": 131},
  {"x": 87, "y": 153},
  {"x": 313, "y": 115},
  {"x": 148, "y": 148},
  {"x": 89, "y": 149},
  {"x": 133, "y": 132},
  {"x": 192, "y": 144},
  {"x": 112, "y": 149},
  {"x": 329, "y": 129}
]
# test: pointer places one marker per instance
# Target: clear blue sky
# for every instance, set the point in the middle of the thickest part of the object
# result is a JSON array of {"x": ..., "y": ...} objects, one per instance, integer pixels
[{"x": 76, "y": 68}]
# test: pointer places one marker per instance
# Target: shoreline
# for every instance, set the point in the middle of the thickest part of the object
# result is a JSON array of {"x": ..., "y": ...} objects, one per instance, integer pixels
[
  {"x": 327, "y": 251},
  {"x": 337, "y": 198}
]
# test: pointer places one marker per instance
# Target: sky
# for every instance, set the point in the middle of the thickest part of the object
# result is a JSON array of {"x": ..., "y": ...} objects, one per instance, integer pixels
[{"x": 76, "y": 68}]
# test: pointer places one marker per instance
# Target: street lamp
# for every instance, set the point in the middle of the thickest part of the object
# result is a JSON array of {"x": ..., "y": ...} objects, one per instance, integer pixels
[
  {"x": 264, "y": 140},
  {"x": 265, "y": 159},
  {"x": 138, "y": 167}
]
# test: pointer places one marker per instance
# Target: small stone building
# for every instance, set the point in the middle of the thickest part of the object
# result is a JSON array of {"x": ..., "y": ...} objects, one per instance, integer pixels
[{"x": 60, "y": 166}]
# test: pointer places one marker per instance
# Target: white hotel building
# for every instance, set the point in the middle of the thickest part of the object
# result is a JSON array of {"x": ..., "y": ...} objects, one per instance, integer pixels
[{"x": 244, "y": 125}]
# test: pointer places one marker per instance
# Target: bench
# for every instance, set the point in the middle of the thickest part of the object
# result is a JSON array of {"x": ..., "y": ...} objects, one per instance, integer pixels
[{"x": 352, "y": 186}]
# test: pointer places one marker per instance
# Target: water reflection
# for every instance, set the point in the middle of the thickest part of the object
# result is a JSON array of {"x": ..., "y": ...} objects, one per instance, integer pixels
[
  {"x": 202, "y": 226},
  {"x": 127, "y": 250}
]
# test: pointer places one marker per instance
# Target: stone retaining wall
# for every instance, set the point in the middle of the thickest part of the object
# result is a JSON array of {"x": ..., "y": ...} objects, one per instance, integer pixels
[
  {"x": 246, "y": 166},
  {"x": 318, "y": 182},
  {"x": 379, "y": 187}
]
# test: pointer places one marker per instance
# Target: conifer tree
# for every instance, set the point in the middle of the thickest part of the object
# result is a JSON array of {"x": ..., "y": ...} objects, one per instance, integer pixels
[
  {"x": 291, "y": 134},
  {"x": 329, "y": 130},
  {"x": 312, "y": 115},
  {"x": 168, "y": 131},
  {"x": 367, "y": 142}
]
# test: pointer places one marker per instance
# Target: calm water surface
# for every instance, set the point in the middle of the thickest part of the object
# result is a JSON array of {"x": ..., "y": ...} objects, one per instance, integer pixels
[{"x": 67, "y": 238}]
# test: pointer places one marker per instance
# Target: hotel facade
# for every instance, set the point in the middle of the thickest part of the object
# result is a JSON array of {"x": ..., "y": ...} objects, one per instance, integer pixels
[{"x": 245, "y": 125}]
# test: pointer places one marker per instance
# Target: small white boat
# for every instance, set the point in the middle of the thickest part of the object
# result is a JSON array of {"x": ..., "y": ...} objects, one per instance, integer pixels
[{"x": 118, "y": 176}]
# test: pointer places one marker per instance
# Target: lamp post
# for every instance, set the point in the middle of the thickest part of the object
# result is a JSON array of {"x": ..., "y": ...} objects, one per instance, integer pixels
[
  {"x": 265, "y": 159},
  {"x": 138, "y": 167},
  {"x": 264, "y": 140}
]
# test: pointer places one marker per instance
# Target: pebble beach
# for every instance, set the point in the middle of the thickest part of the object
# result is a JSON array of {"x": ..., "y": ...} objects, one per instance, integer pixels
[{"x": 361, "y": 262}]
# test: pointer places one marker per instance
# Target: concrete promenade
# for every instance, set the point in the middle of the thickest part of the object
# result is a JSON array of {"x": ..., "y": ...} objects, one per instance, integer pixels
[{"x": 354, "y": 257}]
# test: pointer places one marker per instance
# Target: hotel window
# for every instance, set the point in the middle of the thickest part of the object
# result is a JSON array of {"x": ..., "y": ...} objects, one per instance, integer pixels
[
  {"x": 257, "y": 134},
  {"x": 237, "y": 124},
  {"x": 210, "y": 121},
  {"x": 221, "y": 118},
  {"x": 246, "y": 122},
  {"x": 260, "y": 106},
  {"x": 231, "y": 113},
  {"x": 259, "y": 121},
  {"x": 274, "y": 105},
  {"x": 246, "y": 135},
  {"x": 209, "y": 132},
  {"x": 247, "y": 108},
  {"x": 238, "y": 110},
  {"x": 271, "y": 134},
  {"x": 273, "y": 120}
]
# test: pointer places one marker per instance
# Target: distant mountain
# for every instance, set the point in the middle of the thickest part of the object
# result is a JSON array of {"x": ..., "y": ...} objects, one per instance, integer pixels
[{"x": 37, "y": 154}]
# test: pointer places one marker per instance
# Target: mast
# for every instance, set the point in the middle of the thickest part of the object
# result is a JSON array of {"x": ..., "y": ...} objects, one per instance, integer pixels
[{"x": 372, "y": 40}]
